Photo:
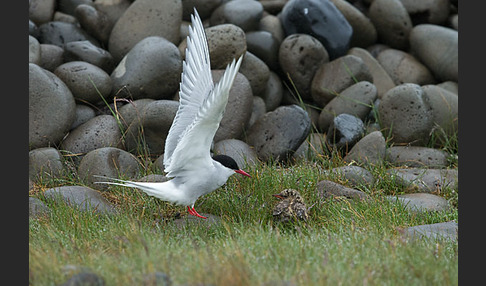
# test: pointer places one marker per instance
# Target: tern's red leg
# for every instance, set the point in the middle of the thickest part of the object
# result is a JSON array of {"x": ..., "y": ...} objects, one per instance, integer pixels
[{"x": 194, "y": 212}]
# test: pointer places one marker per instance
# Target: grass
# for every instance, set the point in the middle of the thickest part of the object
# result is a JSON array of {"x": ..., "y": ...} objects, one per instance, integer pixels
[{"x": 344, "y": 242}]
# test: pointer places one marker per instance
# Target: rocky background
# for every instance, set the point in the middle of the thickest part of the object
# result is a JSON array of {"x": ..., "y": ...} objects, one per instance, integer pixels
[{"x": 376, "y": 80}]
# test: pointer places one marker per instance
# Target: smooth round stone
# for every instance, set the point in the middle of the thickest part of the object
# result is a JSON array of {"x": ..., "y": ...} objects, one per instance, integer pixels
[
  {"x": 107, "y": 162},
  {"x": 322, "y": 20},
  {"x": 450, "y": 86},
  {"x": 83, "y": 114},
  {"x": 355, "y": 100},
  {"x": 69, "y": 6},
  {"x": 344, "y": 131},
  {"x": 311, "y": 148},
  {"x": 160, "y": 18},
  {"x": 416, "y": 156},
  {"x": 100, "y": 131},
  {"x": 263, "y": 45},
  {"x": 59, "y": 33},
  {"x": 300, "y": 56},
  {"x": 245, "y": 14},
  {"x": 45, "y": 163},
  {"x": 66, "y": 18},
  {"x": 132, "y": 110},
  {"x": 437, "y": 47},
  {"x": 271, "y": 24},
  {"x": 335, "y": 76},
  {"x": 236, "y": 117},
  {"x": 41, "y": 11},
  {"x": 33, "y": 30},
  {"x": 81, "y": 197},
  {"x": 328, "y": 189},
  {"x": 364, "y": 32},
  {"x": 52, "y": 57},
  {"x": 37, "y": 208},
  {"x": 147, "y": 134},
  {"x": 34, "y": 51},
  {"x": 151, "y": 69},
  {"x": 354, "y": 175},
  {"x": 425, "y": 180},
  {"x": 421, "y": 202},
  {"x": 370, "y": 150},
  {"x": 204, "y": 8},
  {"x": 51, "y": 108},
  {"x": 277, "y": 134},
  {"x": 242, "y": 153},
  {"x": 257, "y": 110},
  {"x": 404, "y": 68},
  {"x": 226, "y": 42},
  {"x": 273, "y": 93},
  {"x": 256, "y": 71},
  {"x": 86, "y": 82},
  {"x": 444, "y": 107},
  {"x": 405, "y": 114},
  {"x": 442, "y": 230},
  {"x": 427, "y": 11},
  {"x": 112, "y": 9},
  {"x": 392, "y": 22},
  {"x": 85, "y": 51},
  {"x": 381, "y": 79},
  {"x": 94, "y": 22}
]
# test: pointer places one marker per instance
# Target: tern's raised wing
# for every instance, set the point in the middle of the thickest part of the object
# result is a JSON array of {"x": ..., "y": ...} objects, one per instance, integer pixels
[
  {"x": 196, "y": 85},
  {"x": 193, "y": 150}
]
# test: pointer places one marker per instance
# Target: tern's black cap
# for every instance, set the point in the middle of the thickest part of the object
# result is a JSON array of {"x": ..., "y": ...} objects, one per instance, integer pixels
[{"x": 226, "y": 161}]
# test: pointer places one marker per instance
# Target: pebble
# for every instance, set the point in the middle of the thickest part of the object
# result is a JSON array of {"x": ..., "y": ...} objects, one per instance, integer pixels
[
  {"x": 37, "y": 208},
  {"x": 151, "y": 69},
  {"x": 300, "y": 56},
  {"x": 273, "y": 93},
  {"x": 59, "y": 33},
  {"x": 444, "y": 108},
  {"x": 41, "y": 11},
  {"x": 355, "y": 176},
  {"x": 81, "y": 197},
  {"x": 392, "y": 22},
  {"x": 94, "y": 22},
  {"x": 427, "y": 11},
  {"x": 437, "y": 48},
  {"x": 277, "y": 134},
  {"x": 204, "y": 8},
  {"x": 160, "y": 18},
  {"x": 87, "y": 82},
  {"x": 404, "y": 68},
  {"x": 69, "y": 6},
  {"x": 245, "y": 14},
  {"x": 443, "y": 230},
  {"x": 404, "y": 112},
  {"x": 87, "y": 52},
  {"x": 327, "y": 189},
  {"x": 83, "y": 114},
  {"x": 421, "y": 202},
  {"x": 108, "y": 162},
  {"x": 335, "y": 76},
  {"x": 322, "y": 20},
  {"x": 355, "y": 100},
  {"x": 344, "y": 131},
  {"x": 265, "y": 46},
  {"x": 34, "y": 51},
  {"x": 51, "y": 108},
  {"x": 425, "y": 180},
  {"x": 52, "y": 57},
  {"x": 416, "y": 156},
  {"x": 45, "y": 163},
  {"x": 133, "y": 110},
  {"x": 271, "y": 23},
  {"x": 244, "y": 155},
  {"x": 371, "y": 150},
  {"x": 256, "y": 71}
]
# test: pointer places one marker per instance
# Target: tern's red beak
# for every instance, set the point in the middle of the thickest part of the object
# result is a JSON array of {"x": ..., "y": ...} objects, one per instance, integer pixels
[{"x": 243, "y": 173}]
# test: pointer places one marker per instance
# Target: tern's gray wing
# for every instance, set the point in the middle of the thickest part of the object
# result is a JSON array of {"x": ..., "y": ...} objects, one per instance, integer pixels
[{"x": 196, "y": 85}]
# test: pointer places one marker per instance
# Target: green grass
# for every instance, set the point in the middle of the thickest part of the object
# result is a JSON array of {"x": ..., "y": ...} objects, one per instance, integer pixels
[{"x": 344, "y": 242}]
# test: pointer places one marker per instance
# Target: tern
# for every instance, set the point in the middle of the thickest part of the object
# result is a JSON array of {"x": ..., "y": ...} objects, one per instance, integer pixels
[
  {"x": 187, "y": 156},
  {"x": 290, "y": 207}
]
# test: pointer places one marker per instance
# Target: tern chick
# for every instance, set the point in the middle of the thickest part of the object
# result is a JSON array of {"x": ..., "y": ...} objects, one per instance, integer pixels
[{"x": 291, "y": 207}]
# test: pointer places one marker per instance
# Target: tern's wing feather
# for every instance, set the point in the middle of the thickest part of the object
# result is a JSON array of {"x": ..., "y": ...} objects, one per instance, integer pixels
[
  {"x": 196, "y": 85},
  {"x": 193, "y": 148}
]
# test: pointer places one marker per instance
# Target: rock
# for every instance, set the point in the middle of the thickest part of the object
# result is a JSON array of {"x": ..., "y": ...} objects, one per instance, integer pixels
[
  {"x": 300, "y": 56},
  {"x": 236, "y": 117},
  {"x": 369, "y": 150},
  {"x": 392, "y": 22},
  {"x": 59, "y": 33},
  {"x": 204, "y": 8},
  {"x": 34, "y": 51},
  {"x": 405, "y": 114},
  {"x": 322, "y": 20},
  {"x": 450, "y": 86},
  {"x": 327, "y": 189},
  {"x": 381, "y": 79},
  {"x": 271, "y": 23},
  {"x": 242, "y": 153},
  {"x": 444, "y": 107},
  {"x": 69, "y": 6},
  {"x": 65, "y": 18},
  {"x": 256, "y": 71},
  {"x": 312, "y": 147},
  {"x": 404, "y": 68},
  {"x": 333, "y": 77},
  {"x": 277, "y": 134},
  {"x": 156, "y": 279},
  {"x": 51, "y": 108},
  {"x": 41, "y": 11},
  {"x": 85, "y": 51},
  {"x": 84, "y": 198},
  {"x": 273, "y": 93},
  {"x": 344, "y": 131},
  {"x": 416, "y": 156},
  {"x": 354, "y": 175},
  {"x": 85, "y": 279},
  {"x": 94, "y": 22},
  {"x": 421, "y": 202},
  {"x": 437, "y": 48},
  {"x": 355, "y": 100},
  {"x": 160, "y": 18},
  {"x": 37, "y": 208},
  {"x": 83, "y": 114},
  {"x": 52, "y": 57},
  {"x": 443, "y": 230},
  {"x": 265, "y": 46},
  {"x": 364, "y": 32},
  {"x": 107, "y": 162},
  {"x": 45, "y": 163},
  {"x": 133, "y": 110},
  {"x": 243, "y": 13},
  {"x": 258, "y": 109},
  {"x": 33, "y": 30},
  {"x": 113, "y": 10},
  {"x": 87, "y": 82},
  {"x": 147, "y": 134},
  {"x": 427, "y": 11},
  {"x": 425, "y": 180},
  {"x": 151, "y": 69},
  {"x": 100, "y": 131}
]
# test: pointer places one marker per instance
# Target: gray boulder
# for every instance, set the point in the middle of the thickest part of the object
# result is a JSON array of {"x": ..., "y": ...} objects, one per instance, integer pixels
[
  {"x": 242, "y": 153},
  {"x": 81, "y": 197},
  {"x": 416, "y": 156},
  {"x": 371, "y": 149},
  {"x": 45, "y": 163}
]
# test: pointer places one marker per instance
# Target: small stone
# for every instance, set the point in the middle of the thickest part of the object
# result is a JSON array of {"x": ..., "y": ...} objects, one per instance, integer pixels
[
  {"x": 273, "y": 93},
  {"x": 369, "y": 150},
  {"x": 263, "y": 45},
  {"x": 256, "y": 71},
  {"x": 392, "y": 22},
  {"x": 242, "y": 153},
  {"x": 404, "y": 68},
  {"x": 45, "y": 163},
  {"x": 444, "y": 230},
  {"x": 34, "y": 51},
  {"x": 83, "y": 114},
  {"x": 355, "y": 175},
  {"x": 37, "y": 208},
  {"x": 59, "y": 33},
  {"x": 425, "y": 180},
  {"x": 327, "y": 189},
  {"x": 85, "y": 51},
  {"x": 245, "y": 14},
  {"x": 52, "y": 57},
  {"x": 84, "y": 198},
  {"x": 344, "y": 131},
  {"x": 421, "y": 202},
  {"x": 416, "y": 156}
]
